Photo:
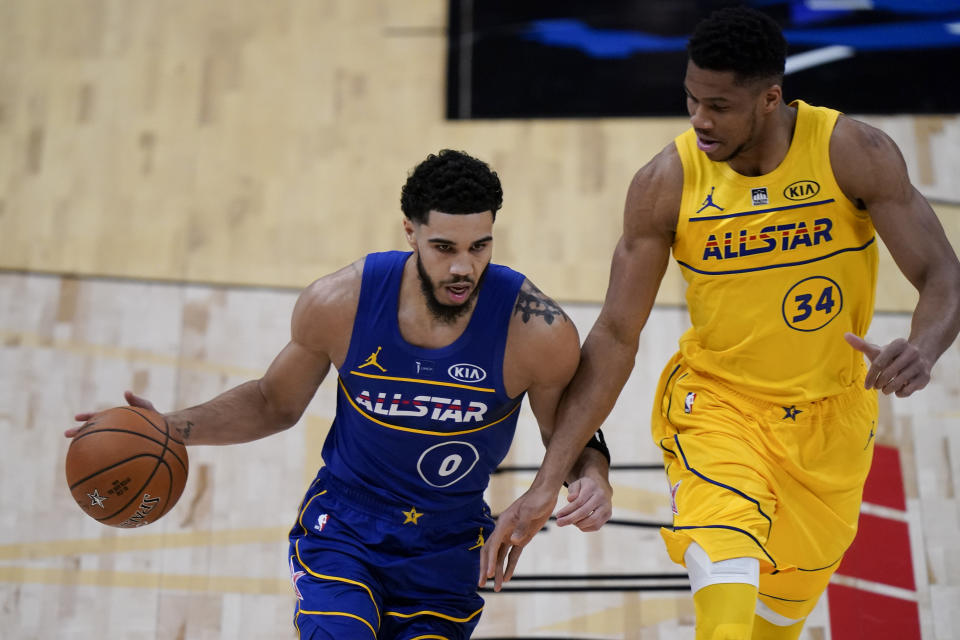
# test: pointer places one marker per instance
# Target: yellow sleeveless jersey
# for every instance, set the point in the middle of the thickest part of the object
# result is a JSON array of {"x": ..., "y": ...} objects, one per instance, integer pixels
[{"x": 778, "y": 267}]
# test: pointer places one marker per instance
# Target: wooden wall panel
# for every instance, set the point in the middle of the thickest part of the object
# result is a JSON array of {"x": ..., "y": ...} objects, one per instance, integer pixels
[{"x": 266, "y": 143}]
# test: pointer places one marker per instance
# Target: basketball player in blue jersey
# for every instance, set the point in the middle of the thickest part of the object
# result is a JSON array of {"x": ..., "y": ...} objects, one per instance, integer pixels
[
  {"x": 435, "y": 350},
  {"x": 766, "y": 417}
]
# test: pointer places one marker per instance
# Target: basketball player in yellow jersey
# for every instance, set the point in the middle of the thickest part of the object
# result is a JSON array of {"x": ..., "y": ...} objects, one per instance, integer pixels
[{"x": 766, "y": 416}]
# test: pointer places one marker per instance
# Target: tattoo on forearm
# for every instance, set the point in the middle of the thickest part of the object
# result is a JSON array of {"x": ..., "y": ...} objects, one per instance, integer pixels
[
  {"x": 531, "y": 302},
  {"x": 185, "y": 431}
]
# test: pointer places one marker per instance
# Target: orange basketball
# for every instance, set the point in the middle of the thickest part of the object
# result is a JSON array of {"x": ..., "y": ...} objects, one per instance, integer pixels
[{"x": 125, "y": 468}]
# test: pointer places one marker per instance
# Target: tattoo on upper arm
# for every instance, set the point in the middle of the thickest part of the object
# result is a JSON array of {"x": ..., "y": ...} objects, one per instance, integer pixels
[{"x": 532, "y": 302}]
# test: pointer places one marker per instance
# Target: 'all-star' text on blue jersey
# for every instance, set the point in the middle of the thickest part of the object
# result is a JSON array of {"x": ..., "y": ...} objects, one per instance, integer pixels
[{"x": 423, "y": 426}]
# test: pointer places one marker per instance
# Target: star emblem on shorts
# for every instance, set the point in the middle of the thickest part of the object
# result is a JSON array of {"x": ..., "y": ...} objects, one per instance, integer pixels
[
  {"x": 294, "y": 576},
  {"x": 96, "y": 499},
  {"x": 791, "y": 412},
  {"x": 412, "y": 516},
  {"x": 673, "y": 497}
]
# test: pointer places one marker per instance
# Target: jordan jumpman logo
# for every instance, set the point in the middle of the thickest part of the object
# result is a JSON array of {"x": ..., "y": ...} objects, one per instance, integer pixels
[
  {"x": 708, "y": 202},
  {"x": 372, "y": 360}
]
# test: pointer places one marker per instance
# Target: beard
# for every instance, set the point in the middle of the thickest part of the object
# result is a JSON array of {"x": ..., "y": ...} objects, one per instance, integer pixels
[{"x": 447, "y": 313}]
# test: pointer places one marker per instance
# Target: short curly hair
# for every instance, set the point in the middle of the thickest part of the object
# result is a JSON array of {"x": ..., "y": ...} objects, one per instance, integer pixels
[
  {"x": 742, "y": 40},
  {"x": 450, "y": 182}
]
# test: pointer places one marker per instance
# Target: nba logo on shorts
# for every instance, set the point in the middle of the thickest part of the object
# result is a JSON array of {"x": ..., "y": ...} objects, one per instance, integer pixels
[
  {"x": 759, "y": 196},
  {"x": 688, "y": 402},
  {"x": 321, "y": 522}
]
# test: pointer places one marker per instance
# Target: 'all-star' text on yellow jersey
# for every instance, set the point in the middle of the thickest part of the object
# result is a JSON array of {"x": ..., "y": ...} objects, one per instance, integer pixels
[{"x": 778, "y": 266}]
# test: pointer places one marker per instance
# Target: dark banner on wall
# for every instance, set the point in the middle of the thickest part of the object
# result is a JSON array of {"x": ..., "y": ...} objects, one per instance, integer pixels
[{"x": 569, "y": 58}]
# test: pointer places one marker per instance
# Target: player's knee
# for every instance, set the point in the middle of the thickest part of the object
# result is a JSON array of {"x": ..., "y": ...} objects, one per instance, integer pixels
[
  {"x": 724, "y": 594},
  {"x": 703, "y": 572},
  {"x": 770, "y": 625}
]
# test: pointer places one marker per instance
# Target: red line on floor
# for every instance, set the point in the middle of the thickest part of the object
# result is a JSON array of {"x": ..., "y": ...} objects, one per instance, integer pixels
[
  {"x": 881, "y": 554},
  {"x": 856, "y": 614},
  {"x": 885, "y": 483}
]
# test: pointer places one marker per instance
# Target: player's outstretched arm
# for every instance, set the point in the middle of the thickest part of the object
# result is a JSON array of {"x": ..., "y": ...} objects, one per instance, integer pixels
[
  {"x": 554, "y": 357},
  {"x": 543, "y": 349},
  {"x": 320, "y": 330},
  {"x": 871, "y": 172},
  {"x": 607, "y": 356}
]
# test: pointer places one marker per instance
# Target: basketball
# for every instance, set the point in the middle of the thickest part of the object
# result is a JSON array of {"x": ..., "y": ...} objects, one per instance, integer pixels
[{"x": 125, "y": 469}]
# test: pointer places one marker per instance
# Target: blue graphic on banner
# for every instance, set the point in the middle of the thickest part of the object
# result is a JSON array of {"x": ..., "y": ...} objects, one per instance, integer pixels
[
  {"x": 615, "y": 43},
  {"x": 600, "y": 43}
]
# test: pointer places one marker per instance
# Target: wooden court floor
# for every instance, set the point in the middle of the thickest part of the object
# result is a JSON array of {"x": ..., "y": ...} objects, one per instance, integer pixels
[
  {"x": 215, "y": 567},
  {"x": 260, "y": 143}
]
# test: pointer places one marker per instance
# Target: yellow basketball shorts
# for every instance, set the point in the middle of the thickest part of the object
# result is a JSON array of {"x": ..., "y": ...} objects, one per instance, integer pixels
[{"x": 749, "y": 478}]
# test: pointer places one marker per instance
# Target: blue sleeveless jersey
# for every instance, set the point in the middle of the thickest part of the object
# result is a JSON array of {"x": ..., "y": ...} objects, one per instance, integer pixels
[{"x": 423, "y": 427}]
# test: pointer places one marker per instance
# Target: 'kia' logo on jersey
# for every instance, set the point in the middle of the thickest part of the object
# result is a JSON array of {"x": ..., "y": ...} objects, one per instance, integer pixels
[
  {"x": 466, "y": 372},
  {"x": 801, "y": 190}
]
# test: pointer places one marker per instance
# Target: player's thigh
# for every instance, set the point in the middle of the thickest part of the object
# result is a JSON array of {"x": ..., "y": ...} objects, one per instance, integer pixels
[
  {"x": 721, "y": 483},
  {"x": 793, "y": 594},
  {"x": 337, "y": 592},
  {"x": 722, "y": 499},
  {"x": 432, "y": 592},
  {"x": 334, "y": 609}
]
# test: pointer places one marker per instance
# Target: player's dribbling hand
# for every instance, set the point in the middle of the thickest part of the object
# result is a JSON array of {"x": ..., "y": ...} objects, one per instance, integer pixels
[
  {"x": 898, "y": 367},
  {"x": 515, "y": 528},
  {"x": 132, "y": 399},
  {"x": 590, "y": 504}
]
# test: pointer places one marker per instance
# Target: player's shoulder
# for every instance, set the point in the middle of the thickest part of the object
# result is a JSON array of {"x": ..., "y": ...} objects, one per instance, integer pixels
[
  {"x": 654, "y": 196},
  {"x": 329, "y": 303},
  {"x": 662, "y": 171},
  {"x": 334, "y": 289},
  {"x": 542, "y": 344},
  {"x": 855, "y": 138},
  {"x": 539, "y": 323},
  {"x": 865, "y": 159}
]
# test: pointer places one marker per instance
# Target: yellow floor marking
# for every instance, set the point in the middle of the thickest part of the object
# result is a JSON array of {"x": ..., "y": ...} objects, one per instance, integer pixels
[
  {"x": 130, "y": 541},
  {"x": 642, "y": 500},
  {"x": 146, "y": 580},
  {"x": 627, "y": 618},
  {"x": 35, "y": 340}
]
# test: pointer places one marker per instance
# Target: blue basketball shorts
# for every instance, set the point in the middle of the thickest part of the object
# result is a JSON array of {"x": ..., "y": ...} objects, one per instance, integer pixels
[{"x": 362, "y": 567}]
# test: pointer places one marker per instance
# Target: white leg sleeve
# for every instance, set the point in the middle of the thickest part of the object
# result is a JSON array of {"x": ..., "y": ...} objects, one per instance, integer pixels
[
  {"x": 703, "y": 572},
  {"x": 773, "y": 617}
]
